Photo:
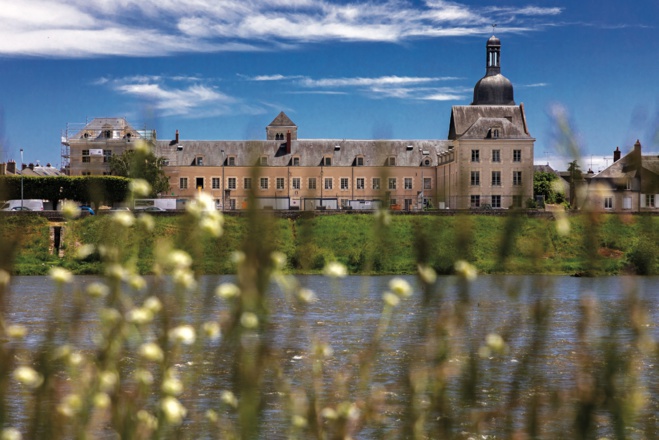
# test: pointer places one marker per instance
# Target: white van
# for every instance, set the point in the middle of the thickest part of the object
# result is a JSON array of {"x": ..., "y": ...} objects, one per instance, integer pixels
[{"x": 31, "y": 204}]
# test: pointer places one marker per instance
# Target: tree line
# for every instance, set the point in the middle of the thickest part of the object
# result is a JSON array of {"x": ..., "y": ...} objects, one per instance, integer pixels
[{"x": 92, "y": 190}]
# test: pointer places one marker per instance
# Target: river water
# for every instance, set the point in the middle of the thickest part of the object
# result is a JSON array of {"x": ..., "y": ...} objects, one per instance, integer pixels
[{"x": 348, "y": 311}]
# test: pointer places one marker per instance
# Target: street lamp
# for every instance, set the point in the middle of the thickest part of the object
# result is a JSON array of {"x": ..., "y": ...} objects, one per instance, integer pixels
[{"x": 22, "y": 179}]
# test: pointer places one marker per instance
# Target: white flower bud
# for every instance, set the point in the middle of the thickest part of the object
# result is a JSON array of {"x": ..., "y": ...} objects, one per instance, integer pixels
[
  {"x": 390, "y": 299},
  {"x": 60, "y": 275},
  {"x": 151, "y": 352},
  {"x": 28, "y": 377},
  {"x": 335, "y": 269},
  {"x": 227, "y": 290},
  {"x": 400, "y": 287},
  {"x": 173, "y": 410},
  {"x": 183, "y": 334}
]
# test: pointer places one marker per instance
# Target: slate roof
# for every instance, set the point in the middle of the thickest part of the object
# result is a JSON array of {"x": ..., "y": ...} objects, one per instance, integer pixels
[
  {"x": 282, "y": 120},
  {"x": 476, "y": 121},
  {"x": 98, "y": 126},
  {"x": 310, "y": 152},
  {"x": 41, "y": 171},
  {"x": 627, "y": 168}
]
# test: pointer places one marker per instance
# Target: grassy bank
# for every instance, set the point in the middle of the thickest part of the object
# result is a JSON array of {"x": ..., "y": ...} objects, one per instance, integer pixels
[{"x": 588, "y": 244}]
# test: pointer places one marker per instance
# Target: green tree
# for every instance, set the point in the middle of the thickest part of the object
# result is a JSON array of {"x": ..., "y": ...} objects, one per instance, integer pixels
[
  {"x": 141, "y": 164},
  {"x": 545, "y": 184}
]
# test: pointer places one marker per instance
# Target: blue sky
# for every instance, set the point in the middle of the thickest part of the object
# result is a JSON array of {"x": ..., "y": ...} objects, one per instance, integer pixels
[{"x": 223, "y": 69}]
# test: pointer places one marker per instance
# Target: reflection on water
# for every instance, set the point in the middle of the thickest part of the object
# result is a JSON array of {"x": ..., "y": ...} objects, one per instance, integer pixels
[{"x": 347, "y": 314}]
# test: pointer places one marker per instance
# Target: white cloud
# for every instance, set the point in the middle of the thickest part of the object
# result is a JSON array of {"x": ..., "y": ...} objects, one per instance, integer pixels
[
  {"x": 193, "y": 100},
  {"x": 368, "y": 82},
  {"x": 91, "y": 28}
]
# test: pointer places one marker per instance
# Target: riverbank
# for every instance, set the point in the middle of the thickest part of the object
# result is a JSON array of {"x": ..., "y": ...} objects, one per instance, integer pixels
[{"x": 587, "y": 244}]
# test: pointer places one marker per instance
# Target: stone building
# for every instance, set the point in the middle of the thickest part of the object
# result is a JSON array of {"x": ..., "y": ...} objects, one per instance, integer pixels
[
  {"x": 629, "y": 184},
  {"x": 487, "y": 160}
]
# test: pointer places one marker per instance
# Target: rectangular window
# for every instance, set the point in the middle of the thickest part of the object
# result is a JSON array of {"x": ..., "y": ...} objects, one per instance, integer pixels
[
  {"x": 200, "y": 161},
  {"x": 517, "y": 201},
  {"x": 392, "y": 202},
  {"x": 427, "y": 183},
  {"x": 85, "y": 156},
  {"x": 496, "y": 178},
  {"x": 517, "y": 155},
  {"x": 215, "y": 183},
  {"x": 247, "y": 182},
  {"x": 517, "y": 178},
  {"x": 200, "y": 183},
  {"x": 183, "y": 183},
  {"x": 359, "y": 161},
  {"x": 496, "y": 201},
  {"x": 628, "y": 184},
  {"x": 376, "y": 183},
  {"x": 496, "y": 156},
  {"x": 344, "y": 183},
  {"x": 392, "y": 161},
  {"x": 627, "y": 203},
  {"x": 263, "y": 161},
  {"x": 280, "y": 183},
  {"x": 231, "y": 161},
  {"x": 608, "y": 202},
  {"x": 408, "y": 183},
  {"x": 107, "y": 154},
  {"x": 475, "y": 178},
  {"x": 392, "y": 183},
  {"x": 475, "y": 201},
  {"x": 231, "y": 184},
  {"x": 296, "y": 183},
  {"x": 296, "y": 161},
  {"x": 327, "y": 161},
  {"x": 649, "y": 200},
  {"x": 475, "y": 155},
  {"x": 328, "y": 183},
  {"x": 360, "y": 183},
  {"x": 263, "y": 182},
  {"x": 312, "y": 183}
]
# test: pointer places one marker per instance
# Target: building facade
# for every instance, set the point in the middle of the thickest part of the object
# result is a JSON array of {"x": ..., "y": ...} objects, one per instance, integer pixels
[
  {"x": 486, "y": 161},
  {"x": 629, "y": 184}
]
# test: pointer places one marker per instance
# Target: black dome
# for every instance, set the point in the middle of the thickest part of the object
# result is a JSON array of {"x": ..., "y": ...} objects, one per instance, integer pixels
[
  {"x": 493, "y": 41},
  {"x": 494, "y": 90}
]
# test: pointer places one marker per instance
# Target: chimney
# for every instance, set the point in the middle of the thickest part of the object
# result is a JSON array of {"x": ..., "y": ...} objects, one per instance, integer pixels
[
  {"x": 31, "y": 166},
  {"x": 637, "y": 147},
  {"x": 11, "y": 167},
  {"x": 288, "y": 142},
  {"x": 3, "y": 169},
  {"x": 23, "y": 166},
  {"x": 616, "y": 155},
  {"x": 176, "y": 136}
]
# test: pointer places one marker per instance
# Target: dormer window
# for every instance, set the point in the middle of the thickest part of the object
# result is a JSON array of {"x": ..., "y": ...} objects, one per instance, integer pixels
[
  {"x": 108, "y": 134},
  {"x": 391, "y": 161},
  {"x": 231, "y": 161},
  {"x": 295, "y": 161},
  {"x": 495, "y": 133},
  {"x": 198, "y": 161},
  {"x": 263, "y": 161},
  {"x": 359, "y": 161},
  {"x": 327, "y": 161},
  {"x": 426, "y": 162}
]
